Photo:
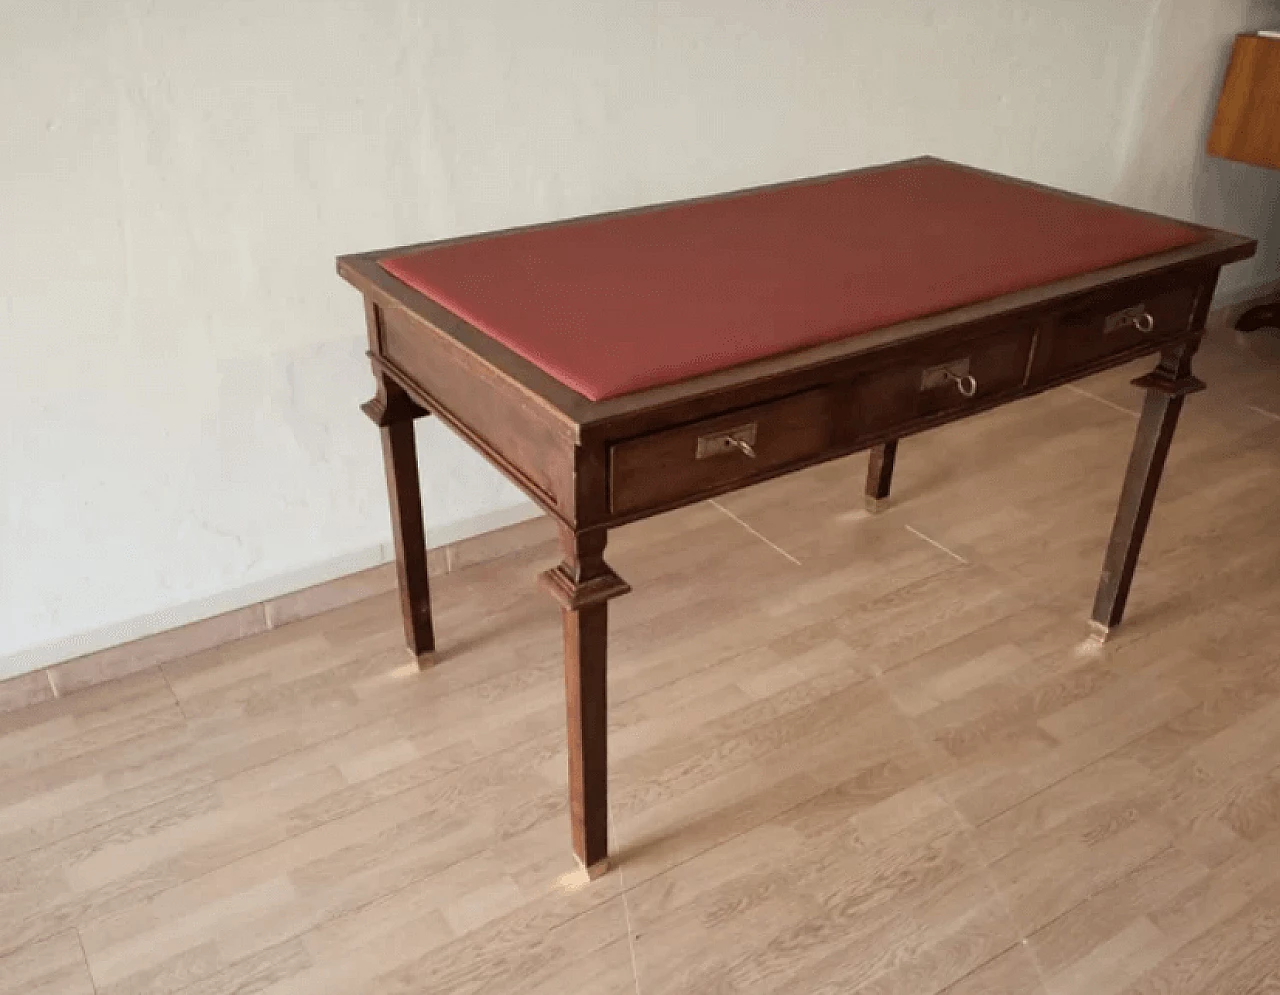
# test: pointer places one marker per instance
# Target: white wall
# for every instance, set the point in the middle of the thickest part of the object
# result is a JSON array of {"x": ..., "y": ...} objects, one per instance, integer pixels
[
  {"x": 1166, "y": 168},
  {"x": 179, "y": 365}
]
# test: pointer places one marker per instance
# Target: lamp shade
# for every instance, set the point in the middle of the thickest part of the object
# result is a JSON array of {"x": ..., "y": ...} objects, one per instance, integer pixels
[{"x": 1246, "y": 127}]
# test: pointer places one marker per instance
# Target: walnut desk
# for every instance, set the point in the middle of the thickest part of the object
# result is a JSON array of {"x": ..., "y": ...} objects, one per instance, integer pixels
[{"x": 619, "y": 366}]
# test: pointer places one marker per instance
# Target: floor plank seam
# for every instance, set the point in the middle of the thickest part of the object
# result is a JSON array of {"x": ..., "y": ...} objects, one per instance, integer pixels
[
  {"x": 776, "y": 816},
  {"x": 746, "y": 829},
  {"x": 1018, "y": 928},
  {"x": 1101, "y": 400},
  {"x": 1049, "y": 923},
  {"x": 1080, "y": 770},
  {"x": 88, "y": 969},
  {"x": 626, "y": 906},
  {"x": 934, "y": 542},
  {"x": 957, "y": 982},
  {"x": 765, "y": 539},
  {"x": 176, "y": 700},
  {"x": 965, "y": 825},
  {"x": 925, "y": 748},
  {"x": 972, "y": 830},
  {"x": 1075, "y": 773}
]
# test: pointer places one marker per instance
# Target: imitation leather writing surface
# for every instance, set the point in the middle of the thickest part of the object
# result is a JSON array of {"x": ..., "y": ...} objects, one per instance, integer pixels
[{"x": 613, "y": 305}]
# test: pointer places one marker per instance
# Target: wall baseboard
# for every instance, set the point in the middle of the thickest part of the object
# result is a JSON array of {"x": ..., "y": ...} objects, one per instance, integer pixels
[{"x": 70, "y": 665}]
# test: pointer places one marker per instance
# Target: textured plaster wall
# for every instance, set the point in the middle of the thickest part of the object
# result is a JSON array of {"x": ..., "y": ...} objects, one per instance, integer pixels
[
  {"x": 1166, "y": 167},
  {"x": 179, "y": 365}
]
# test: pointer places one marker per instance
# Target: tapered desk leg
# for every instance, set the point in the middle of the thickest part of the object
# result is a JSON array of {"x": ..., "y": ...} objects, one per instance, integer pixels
[
  {"x": 394, "y": 413},
  {"x": 583, "y": 584},
  {"x": 1167, "y": 387},
  {"x": 880, "y": 475}
]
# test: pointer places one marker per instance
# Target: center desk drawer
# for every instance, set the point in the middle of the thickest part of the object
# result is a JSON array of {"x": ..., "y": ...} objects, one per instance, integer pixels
[
  {"x": 681, "y": 463},
  {"x": 943, "y": 379}
]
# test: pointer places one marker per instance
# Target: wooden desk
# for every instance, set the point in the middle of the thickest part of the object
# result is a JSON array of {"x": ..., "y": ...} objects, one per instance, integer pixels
[{"x": 706, "y": 429}]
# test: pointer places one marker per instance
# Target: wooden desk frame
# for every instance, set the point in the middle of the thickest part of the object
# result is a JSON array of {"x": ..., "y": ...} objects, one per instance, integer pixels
[{"x": 580, "y": 460}]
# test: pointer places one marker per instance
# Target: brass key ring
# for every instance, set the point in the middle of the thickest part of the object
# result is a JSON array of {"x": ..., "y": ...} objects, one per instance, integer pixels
[{"x": 966, "y": 384}]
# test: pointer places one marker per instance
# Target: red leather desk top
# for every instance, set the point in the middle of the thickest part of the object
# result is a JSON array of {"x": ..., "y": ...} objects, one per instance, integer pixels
[{"x": 612, "y": 305}]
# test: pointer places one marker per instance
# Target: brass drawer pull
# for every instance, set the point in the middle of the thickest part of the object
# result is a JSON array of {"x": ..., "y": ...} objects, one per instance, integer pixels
[
  {"x": 956, "y": 372},
  {"x": 741, "y": 439},
  {"x": 1131, "y": 317}
]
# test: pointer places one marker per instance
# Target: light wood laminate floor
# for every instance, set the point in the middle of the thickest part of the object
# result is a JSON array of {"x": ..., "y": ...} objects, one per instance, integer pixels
[{"x": 848, "y": 754}]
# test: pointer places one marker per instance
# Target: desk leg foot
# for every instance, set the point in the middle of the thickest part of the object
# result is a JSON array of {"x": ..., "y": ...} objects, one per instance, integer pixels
[
  {"x": 880, "y": 476},
  {"x": 583, "y": 584},
  {"x": 1167, "y": 387},
  {"x": 593, "y": 871},
  {"x": 425, "y": 660},
  {"x": 1098, "y": 632}
]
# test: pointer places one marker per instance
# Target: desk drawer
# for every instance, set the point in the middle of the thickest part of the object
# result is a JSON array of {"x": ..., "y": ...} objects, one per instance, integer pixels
[
  {"x": 679, "y": 463},
  {"x": 948, "y": 378},
  {"x": 1087, "y": 333}
]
